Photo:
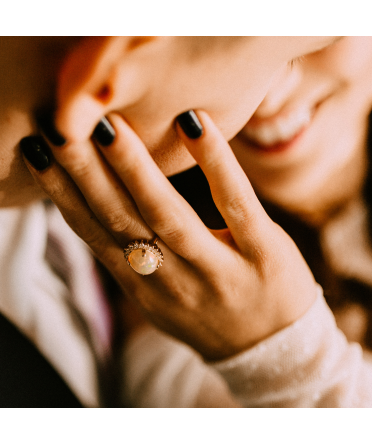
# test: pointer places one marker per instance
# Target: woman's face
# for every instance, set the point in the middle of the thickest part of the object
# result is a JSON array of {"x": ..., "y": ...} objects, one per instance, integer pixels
[
  {"x": 304, "y": 147},
  {"x": 227, "y": 77}
]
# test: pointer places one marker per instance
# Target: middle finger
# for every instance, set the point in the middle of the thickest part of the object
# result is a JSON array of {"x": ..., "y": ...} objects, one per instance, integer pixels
[{"x": 160, "y": 205}]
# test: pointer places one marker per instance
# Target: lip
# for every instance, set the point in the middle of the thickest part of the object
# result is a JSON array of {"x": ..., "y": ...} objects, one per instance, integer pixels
[
  {"x": 281, "y": 146},
  {"x": 284, "y": 146}
]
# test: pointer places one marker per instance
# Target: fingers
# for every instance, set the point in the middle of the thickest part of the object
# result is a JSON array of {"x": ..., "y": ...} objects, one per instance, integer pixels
[
  {"x": 159, "y": 204},
  {"x": 230, "y": 187},
  {"x": 59, "y": 186},
  {"x": 64, "y": 193},
  {"x": 132, "y": 199},
  {"x": 105, "y": 194},
  {"x": 129, "y": 195}
]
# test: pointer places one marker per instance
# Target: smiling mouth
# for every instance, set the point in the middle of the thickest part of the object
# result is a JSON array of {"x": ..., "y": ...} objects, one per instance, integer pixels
[{"x": 277, "y": 134}]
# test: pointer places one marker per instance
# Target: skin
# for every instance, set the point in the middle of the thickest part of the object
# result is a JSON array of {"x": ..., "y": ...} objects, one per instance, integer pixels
[
  {"x": 327, "y": 166},
  {"x": 253, "y": 282},
  {"x": 218, "y": 307},
  {"x": 245, "y": 68},
  {"x": 24, "y": 88}
]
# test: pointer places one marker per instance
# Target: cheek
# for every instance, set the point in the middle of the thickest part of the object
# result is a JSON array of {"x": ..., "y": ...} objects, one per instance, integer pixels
[
  {"x": 169, "y": 152},
  {"x": 230, "y": 106},
  {"x": 17, "y": 186},
  {"x": 349, "y": 60},
  {"x": 159, "y": 135}
]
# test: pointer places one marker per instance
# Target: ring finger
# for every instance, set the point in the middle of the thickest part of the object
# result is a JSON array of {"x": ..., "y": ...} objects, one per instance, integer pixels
[{"x": 160, "y": 205}]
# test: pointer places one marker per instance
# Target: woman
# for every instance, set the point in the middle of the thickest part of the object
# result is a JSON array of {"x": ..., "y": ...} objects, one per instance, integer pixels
[
  {"x": 199, "y": 299},
  {"x": 305, "y": 152}
]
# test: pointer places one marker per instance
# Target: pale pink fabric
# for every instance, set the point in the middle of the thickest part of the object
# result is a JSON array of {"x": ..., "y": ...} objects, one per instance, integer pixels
[
  {"x": 308, "y": 364},
  {"x": 63, "y": 323}
]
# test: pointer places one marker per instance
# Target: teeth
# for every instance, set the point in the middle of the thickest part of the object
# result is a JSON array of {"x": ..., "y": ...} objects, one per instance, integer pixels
[{"x": 281, "y": 130}]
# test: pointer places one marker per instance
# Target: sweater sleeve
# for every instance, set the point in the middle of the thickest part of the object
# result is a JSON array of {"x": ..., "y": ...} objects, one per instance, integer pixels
[
  {"x": 308, "y": 364},
  {"x": 161, "y": 372}
]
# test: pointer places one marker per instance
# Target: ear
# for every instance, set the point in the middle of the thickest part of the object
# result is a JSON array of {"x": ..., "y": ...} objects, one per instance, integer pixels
[{"x": 98, "y": 76}]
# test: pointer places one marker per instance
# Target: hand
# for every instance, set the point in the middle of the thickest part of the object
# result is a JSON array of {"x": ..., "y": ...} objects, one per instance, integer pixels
[{"x": 219, "y": 291}]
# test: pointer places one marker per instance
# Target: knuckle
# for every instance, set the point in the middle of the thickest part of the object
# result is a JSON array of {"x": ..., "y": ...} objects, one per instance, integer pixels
[
  {"x": 172, "y": 233},
  {"x": 93, "y": 238},
  {"x": 80, "y": 169},
  {"x": 175, "y": 234},
  {"x": 57, "y": 190},
  {"x": 75, "y": 162},
  {"x": 171, "y": 227},
  {"x": 117, "y": 222},
  {"x": 238, "y": 207},
  {"x": 124, "y": 227},
  {"x": 212, "y": 163}
]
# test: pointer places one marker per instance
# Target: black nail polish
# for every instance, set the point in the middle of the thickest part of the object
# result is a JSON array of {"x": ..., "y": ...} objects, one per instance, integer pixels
[
  {"x": 104, "y": 133},
  {"x": 190, "y": 124},
  {"x": 36, "y": 151},
  {"x": 46, "y": 124}
]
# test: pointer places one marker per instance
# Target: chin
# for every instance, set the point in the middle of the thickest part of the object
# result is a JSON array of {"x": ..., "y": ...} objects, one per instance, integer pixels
[
  {"x": 172, "y": 162},
  {"x": 170, "y": 154}
]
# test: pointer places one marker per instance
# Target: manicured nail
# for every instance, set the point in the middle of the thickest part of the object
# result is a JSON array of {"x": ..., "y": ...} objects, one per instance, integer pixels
[
  {"x": 104, "y": 133},
  {"x": 190, "y": 124},
  {"x": 36, "y": 151},
  {"x": 46, "y": 124}
]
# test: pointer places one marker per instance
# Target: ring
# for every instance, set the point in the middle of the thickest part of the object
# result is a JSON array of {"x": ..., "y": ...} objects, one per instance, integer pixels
[{"x": 144, "y": 256}]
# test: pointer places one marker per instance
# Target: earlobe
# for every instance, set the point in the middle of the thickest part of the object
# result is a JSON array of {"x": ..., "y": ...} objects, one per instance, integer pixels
[{"x": 90, "y": 82}]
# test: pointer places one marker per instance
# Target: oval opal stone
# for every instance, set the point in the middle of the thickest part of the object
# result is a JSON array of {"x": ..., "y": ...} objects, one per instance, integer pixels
[{"x": 143, "y": 262}]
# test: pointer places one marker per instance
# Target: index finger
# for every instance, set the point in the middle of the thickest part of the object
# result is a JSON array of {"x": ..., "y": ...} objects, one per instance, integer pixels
[
  {"x": 230, "y": 187},
  {"x": 164, "y": 210}
]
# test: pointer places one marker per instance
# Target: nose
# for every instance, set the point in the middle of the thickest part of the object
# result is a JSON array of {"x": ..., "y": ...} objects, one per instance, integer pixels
[{"x": 283, "y": 86}]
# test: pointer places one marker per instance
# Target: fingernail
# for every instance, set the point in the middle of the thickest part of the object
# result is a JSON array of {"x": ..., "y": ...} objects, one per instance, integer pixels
[
  {"x": 190, "y": 124},
  {"x": 104, "y": 133},
  {"x": 36, "y": 151},
  {"x": 46, "y": 124}
]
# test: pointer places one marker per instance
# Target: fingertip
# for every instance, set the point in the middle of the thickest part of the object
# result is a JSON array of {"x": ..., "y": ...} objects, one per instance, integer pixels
[
  {"x": 104, "y": 133},
  {"x": 36, "y": 152},
  {"x": 190, "y": 124},
  {"x": 46, "y": 123}
]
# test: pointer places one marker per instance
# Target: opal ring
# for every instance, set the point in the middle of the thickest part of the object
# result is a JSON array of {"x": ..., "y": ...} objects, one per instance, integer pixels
[{"x": 144, "y": 256}]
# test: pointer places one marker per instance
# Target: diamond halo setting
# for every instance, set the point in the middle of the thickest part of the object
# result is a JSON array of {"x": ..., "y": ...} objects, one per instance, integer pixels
[{"x": 145, "y": 257}]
